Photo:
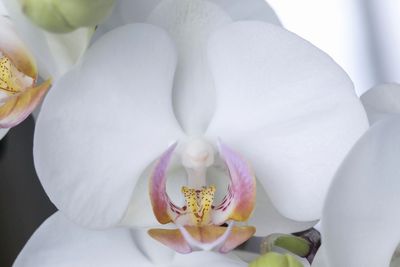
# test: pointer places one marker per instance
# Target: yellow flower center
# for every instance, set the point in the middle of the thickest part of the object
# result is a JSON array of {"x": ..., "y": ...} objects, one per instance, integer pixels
[
  {"x": 12, "y": 81},
  {"x": 199, "y": 204}
]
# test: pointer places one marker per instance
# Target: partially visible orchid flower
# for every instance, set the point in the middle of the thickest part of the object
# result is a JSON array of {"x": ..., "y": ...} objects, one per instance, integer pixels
[
  {"x": 19, "y": 91},
  {"x": 55, "y": 53},
  {"x": 285, "y": 112},
  {"x": 382, "y": 101},
  {"x": 360, "y": 223}
]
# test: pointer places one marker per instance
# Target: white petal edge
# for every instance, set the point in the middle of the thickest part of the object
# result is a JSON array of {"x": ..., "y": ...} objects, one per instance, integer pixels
[
  {"x": 54, "y": 53},
  {"x": 320, "y": 258},
  {"x": 381, "y": 101},
  {"x": 61, "y": 243},
  {"x": 268, "y": 220},
  {"x": 361, "y": 219},
  {"x": 104, "y": 122},
  {"x": 249, "y": 10},
  {"x": 288, "y": 108},
  {"x": 3, "y": 133}
]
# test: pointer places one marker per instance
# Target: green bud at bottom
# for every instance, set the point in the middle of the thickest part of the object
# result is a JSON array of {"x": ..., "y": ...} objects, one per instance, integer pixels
[{"x": 273, "y": 259}]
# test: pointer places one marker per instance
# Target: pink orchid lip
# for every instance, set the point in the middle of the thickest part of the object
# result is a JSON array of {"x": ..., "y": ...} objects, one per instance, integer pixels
[{"x": 199, "y": 222}]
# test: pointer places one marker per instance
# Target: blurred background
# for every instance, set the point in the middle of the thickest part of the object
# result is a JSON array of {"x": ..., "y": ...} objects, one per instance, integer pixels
[{"x": 361, "y": 35}]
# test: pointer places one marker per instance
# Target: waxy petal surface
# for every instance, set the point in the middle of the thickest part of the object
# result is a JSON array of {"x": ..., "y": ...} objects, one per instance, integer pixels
[
  {"x": 288, "y": 108},
  {"x": 61, "y": 243},
  {"x": 268, "y": 220},
  {"x": 381, "y": 102},
  {"x": 103, "y": 123},
  {"x": 17, "y": 107},
  {"x": 190, "y": 23},
  {"x": 361, "y": 219}
]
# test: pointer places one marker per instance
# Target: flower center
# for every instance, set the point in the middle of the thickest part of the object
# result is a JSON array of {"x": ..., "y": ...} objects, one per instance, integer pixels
[
  {"x": 199, "y": 223},
  {"x": 12, "y": 81},
  {"x": 199, "y": 204}
]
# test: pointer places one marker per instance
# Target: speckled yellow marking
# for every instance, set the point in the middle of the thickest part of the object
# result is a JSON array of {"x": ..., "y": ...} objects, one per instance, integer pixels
[
  {"x": 199, "y": 204},
  {"x": 12, "y": 81}
]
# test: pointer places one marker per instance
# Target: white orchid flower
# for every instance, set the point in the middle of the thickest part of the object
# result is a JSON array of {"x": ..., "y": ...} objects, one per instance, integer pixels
[
  {"x": 360, "y": 224},
  {"x": 55, "y": 53},
  {"x": 19, "y": 91},
  {"x": 382, "y": 101},
  {"x": 194, "y": 76}
]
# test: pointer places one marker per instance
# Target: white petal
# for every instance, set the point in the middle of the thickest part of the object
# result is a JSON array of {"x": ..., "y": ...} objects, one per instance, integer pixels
[
  {"x": 60, "y": 243},
  {"x": 131, "y": 11},
  {"x": 268, "y": 220},
  {"x": 361, "y": 219},
  {"x": 103, "y": 123},
  {"x": 206, "y": 258},
  {"x": 190, "y": 23},
  {"x": 3, "y": 133},
  {"x": 382, "y": 101},
  {"x": 3, "y": 10},
  {"x": 287, "y": 108},
  {"x": 54, "y": 53}
]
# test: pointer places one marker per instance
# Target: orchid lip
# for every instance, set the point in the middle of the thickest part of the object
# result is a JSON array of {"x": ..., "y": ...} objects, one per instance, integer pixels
[
  {"x": 18, "y": 94},
  {"x": 199, "y": 216}
]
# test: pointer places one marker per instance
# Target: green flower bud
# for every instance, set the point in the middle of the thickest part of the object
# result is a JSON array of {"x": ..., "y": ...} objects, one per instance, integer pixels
[
  {"x": 63, "y": 16},
  {"x": 273, "y": 259}
]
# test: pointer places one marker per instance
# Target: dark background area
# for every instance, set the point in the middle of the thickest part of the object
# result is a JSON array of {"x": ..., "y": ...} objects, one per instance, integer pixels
[{"x": 23, "y": 202}]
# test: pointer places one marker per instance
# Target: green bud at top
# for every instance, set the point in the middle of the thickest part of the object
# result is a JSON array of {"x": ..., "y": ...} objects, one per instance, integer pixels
[
  {"x": 273, "y": 259},
  {"x": 63, "y": 16}
]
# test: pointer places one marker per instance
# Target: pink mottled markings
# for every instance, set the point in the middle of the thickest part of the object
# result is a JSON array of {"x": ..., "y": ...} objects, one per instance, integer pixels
[
  {"x": 237, "y": 205},
  {"x": 239, "y": 202},
  {"x": 163, "y": 208}
]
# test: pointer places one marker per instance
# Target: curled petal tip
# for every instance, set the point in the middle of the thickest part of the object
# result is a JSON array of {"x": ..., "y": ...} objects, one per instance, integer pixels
[{"x": 16, "y": 108}]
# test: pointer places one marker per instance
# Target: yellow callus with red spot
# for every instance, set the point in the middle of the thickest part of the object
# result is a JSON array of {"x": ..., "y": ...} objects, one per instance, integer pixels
[{"x": 19, "y": 93}]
